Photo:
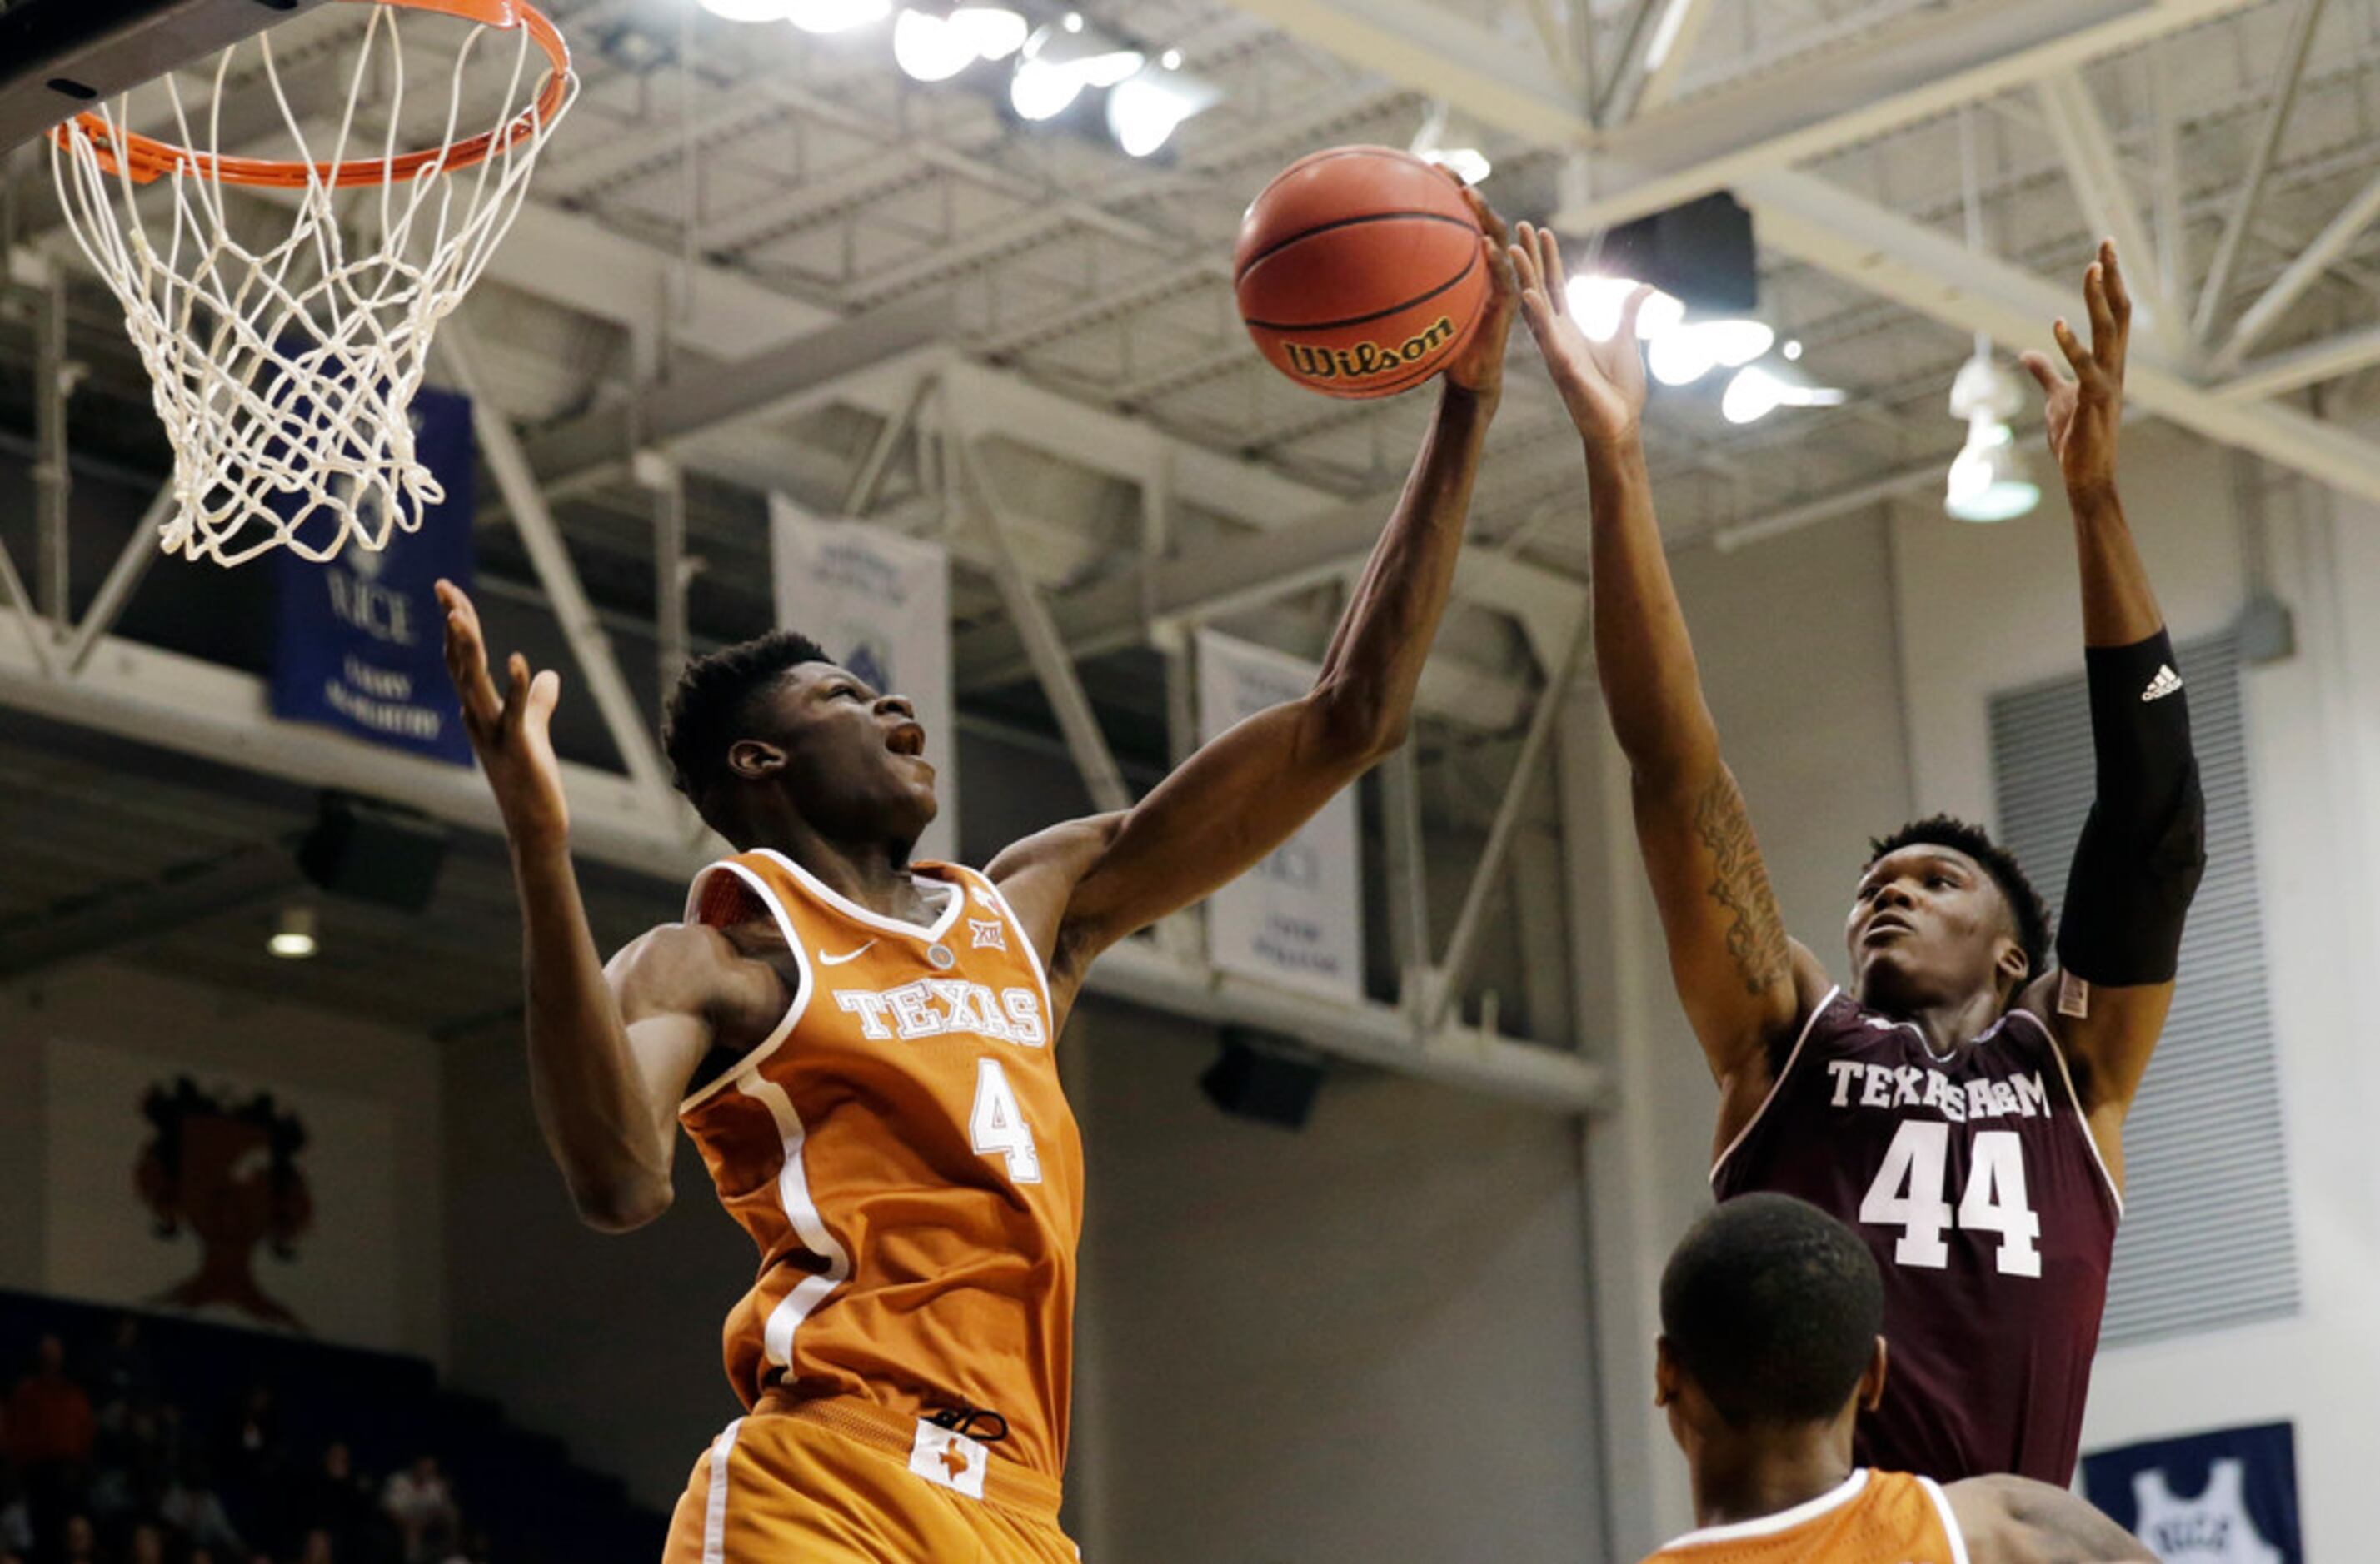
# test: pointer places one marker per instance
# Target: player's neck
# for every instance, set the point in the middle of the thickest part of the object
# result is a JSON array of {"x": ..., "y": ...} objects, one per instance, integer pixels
[
  {"x": 1949, "y": 1024},
  {"x": 872, "y": 872},
  {"x": 1747, "y": 1477}
]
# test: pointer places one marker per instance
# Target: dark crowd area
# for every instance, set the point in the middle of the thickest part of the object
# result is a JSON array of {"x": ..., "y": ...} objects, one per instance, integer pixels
[{"x": 145, "y": 1440}]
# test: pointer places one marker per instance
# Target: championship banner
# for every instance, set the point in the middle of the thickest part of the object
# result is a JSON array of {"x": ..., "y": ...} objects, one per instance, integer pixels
[
  {"x": 880, "y": 603},
  {"x": 2226, "y": 1497},
  {"x": 1297, "y": 917},
  {"x": 238, "y": 1201},
  {"x": 359, "y": 643}
]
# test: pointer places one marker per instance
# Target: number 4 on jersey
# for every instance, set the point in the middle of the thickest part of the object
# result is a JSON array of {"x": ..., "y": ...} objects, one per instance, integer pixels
[
  {"x": 1912, "y": 1192},
  {"x": 998, "y": 1124}
]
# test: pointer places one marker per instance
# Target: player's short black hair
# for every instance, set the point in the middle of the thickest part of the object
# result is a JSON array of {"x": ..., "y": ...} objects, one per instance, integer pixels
[
  {"x": 1947, "y": 830},
  {"x": 1773, "y": 1307},
  {"x": 713, "y": 701}
]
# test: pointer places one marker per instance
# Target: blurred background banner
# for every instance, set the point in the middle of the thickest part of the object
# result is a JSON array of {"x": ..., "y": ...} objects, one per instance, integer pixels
[
  {"x": 359, "y": 643},
  {"x": 879, "y": 604},
  {"x": 1297, "y": 917},
  {"x": 2228, "y": 1497}
]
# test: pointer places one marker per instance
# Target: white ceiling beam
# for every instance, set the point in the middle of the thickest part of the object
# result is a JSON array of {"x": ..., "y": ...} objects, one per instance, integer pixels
[
  {"x": 1936, "y": 275},
  {"x": 1844, "y": 96},
  {"x": 1663, "y": 40},
  {"x": 1447, "y": 55},
  {"x": 2251, "y": 188},
  {"x": 2301, "y": 367},
  {"x": 2105, "y": 196},
  {"x": 2301, "y": 273}
]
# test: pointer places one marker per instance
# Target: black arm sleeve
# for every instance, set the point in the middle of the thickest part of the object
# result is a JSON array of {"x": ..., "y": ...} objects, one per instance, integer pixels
[{"x": 2144, "y": 845}]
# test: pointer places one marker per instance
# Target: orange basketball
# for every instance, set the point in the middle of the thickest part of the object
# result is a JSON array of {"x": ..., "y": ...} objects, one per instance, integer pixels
[{"x": 1359, "y": 271}]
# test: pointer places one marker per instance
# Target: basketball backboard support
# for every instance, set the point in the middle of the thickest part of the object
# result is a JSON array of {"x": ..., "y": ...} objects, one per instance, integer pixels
[{"x": 57, "y": 56}]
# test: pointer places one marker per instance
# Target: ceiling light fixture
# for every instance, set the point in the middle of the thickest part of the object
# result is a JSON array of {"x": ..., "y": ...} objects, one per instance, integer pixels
[
  {"x": 1059, "y": 63},
  {"x": 935, "y": 48},
  {"x": 1467, "y": 163},
  {"x": 1145, "y": 110},
  {"x": 1758, "y": 391},
  {"x": 1596, "y": 302},
  {"x": 825, "y": 16},
  {"x": 293, "y": 936},
  {"x": 747, "y": 10},
  {"x": 1988, "y": 480}
]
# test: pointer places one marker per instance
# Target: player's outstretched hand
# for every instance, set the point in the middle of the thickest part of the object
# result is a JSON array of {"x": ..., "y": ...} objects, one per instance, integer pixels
[
  {"x": 1602, "y": 384},
  {"x": 2083, "y": 413},
  {"x": 509, "y": 732},
  {"x": 1480, "y": 367}
]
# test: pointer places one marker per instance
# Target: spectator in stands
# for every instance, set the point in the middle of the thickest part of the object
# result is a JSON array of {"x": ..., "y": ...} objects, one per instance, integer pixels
[
  {"x": 252, "y": 1473},
  {"x": 79, "y": 1541},
  {"x": 423, "y": 1508},
  {"x": 336, "y": 1498},
  {"x": 147, "y": 1546},
  {"x": 49, "y": 1417},
  {"x": 192, "y": 1507},
  {"x": 126, "y": 1380},
  {"x": 316, "y": 1548},
  {"x": 16, "y": 1518}
]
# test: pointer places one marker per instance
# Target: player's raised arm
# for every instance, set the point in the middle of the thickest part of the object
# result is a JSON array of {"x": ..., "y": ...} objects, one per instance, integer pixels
[
  {"x": 2144, "y": 845},
  {"x": 606, "y": 1069},
  {"x": 1083, "y": 887},
  {"x": 2018, "y": 1521},
  {"x": 1739, "y": 976}
]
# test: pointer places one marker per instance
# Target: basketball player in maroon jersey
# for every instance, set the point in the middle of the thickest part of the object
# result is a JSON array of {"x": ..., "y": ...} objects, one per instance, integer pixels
[{"x": 1961, "y": 1104}]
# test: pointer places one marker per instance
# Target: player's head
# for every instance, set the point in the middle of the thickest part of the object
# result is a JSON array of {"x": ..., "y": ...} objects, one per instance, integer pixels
[
  {"x": 1770, "y": 1311},
  {"x": 1942, "y": 911},
  {"x": 772, "y": 724}
]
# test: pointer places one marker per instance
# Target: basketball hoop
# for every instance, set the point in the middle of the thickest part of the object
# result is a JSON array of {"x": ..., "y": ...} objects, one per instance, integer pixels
[{"x": 285, "y": 374}]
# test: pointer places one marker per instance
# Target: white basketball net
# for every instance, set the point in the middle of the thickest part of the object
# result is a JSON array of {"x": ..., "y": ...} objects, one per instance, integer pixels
[{"x": 286, "y": 375}]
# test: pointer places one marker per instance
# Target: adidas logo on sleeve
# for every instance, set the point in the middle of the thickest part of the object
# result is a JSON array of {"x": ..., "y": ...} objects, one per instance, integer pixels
[{"x": 2166, "y": 683}]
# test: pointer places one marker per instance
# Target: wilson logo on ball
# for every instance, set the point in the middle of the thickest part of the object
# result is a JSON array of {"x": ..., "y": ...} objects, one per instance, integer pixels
[{"x": 1368, "y": 357}]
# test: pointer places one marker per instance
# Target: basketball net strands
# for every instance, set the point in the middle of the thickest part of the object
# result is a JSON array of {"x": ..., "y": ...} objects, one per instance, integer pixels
[{"x": 285, "y": 370}]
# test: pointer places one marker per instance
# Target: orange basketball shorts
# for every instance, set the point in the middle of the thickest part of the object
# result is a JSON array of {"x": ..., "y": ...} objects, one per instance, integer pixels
[{"x": 839, "y": 1482}]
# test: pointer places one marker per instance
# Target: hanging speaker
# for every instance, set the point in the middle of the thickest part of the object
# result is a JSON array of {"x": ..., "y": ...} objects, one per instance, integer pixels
[
  {"x": 1702, "y": 253},
  {"x": 373, "y": 852},
  {"x": 1264, "y": 1077}
]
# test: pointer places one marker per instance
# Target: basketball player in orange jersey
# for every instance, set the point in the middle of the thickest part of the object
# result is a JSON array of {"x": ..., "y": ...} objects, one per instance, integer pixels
[
  {"x": 1770, "y": 1349},
  {"x": 1962, "y": 1101},
  {"x": 861, "y": 1045}
]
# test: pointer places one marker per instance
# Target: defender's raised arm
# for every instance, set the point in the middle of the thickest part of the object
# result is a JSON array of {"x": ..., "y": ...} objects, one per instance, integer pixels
[{"x": 1734, "y": 968}]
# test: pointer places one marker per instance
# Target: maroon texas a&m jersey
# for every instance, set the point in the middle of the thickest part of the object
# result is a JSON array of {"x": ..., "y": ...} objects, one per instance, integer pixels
[{"x": 1975, "y": 1181}]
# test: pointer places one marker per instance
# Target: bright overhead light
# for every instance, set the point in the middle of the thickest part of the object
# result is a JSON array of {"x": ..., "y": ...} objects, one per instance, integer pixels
[
  {"x": 1687, "y": 352},
  {"x": 747, "y": 10},
  {"x": 292, "y": 937},
  {"x": 1467, "y": 163},
  {"x": 1987, "y": 480},
  {"x": 1041, "y": 92},
  {"x": 1144, "y": 112},
  {"x": 932, "y": 48},
  {"x": 1792, "y": 348},
  {"x": 1171, "y": 59},
  {"x": 995, "y": 31},
  {"x": 1758, "y": 391},
  {"x": 1093, "y": 57},
  {"x": 831, "y": 16},
  {"x": 1596, "y": 302}
]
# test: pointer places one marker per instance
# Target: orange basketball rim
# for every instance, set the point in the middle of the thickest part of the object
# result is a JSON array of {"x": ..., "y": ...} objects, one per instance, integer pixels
[{"x": 145, "y": 158}]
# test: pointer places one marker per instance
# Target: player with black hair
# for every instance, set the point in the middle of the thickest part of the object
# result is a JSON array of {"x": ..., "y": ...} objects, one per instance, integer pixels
[
  {"x": 861, "y": 1045},
  {"x": 1770, "y": 1347},
  {"x": 1962, "y": 1101}
]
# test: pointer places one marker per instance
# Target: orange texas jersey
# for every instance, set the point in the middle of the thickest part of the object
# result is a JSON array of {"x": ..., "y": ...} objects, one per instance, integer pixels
[
  {"x": 900, "y": 1149},
  {"x": 1873, "y": 1518}
]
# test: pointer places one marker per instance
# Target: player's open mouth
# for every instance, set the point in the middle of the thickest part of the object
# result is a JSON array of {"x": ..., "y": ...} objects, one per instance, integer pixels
[
  {"x": 1886, "y": 923},
  {"x": 909, "y": 739}
]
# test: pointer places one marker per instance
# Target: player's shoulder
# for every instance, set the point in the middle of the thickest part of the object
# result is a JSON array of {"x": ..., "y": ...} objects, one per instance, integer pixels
[
  {"x": 1074, "y": 843},
  {"x": 679, "y": 968},
  {"x": 2010, "y": 1519}
]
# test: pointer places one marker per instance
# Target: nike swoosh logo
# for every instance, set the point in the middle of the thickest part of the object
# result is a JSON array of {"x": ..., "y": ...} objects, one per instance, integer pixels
[{"x": 825, "y": 960}]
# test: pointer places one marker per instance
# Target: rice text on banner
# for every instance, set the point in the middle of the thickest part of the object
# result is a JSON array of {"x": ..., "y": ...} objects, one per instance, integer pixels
[
  {"x": 1296, "y": 918},
  {"x": 358, "y": 640},
  {"x": 880, "y": 603}
]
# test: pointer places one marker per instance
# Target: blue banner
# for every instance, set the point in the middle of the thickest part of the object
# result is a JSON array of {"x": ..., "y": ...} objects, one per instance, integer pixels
[
  {"x": 2226, "y": 1497},
  {"x": 359, "y": 643}
]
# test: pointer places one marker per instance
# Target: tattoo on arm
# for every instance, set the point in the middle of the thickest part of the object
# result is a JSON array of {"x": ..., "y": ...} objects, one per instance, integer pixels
[{"x": 1756, "y": 936}]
